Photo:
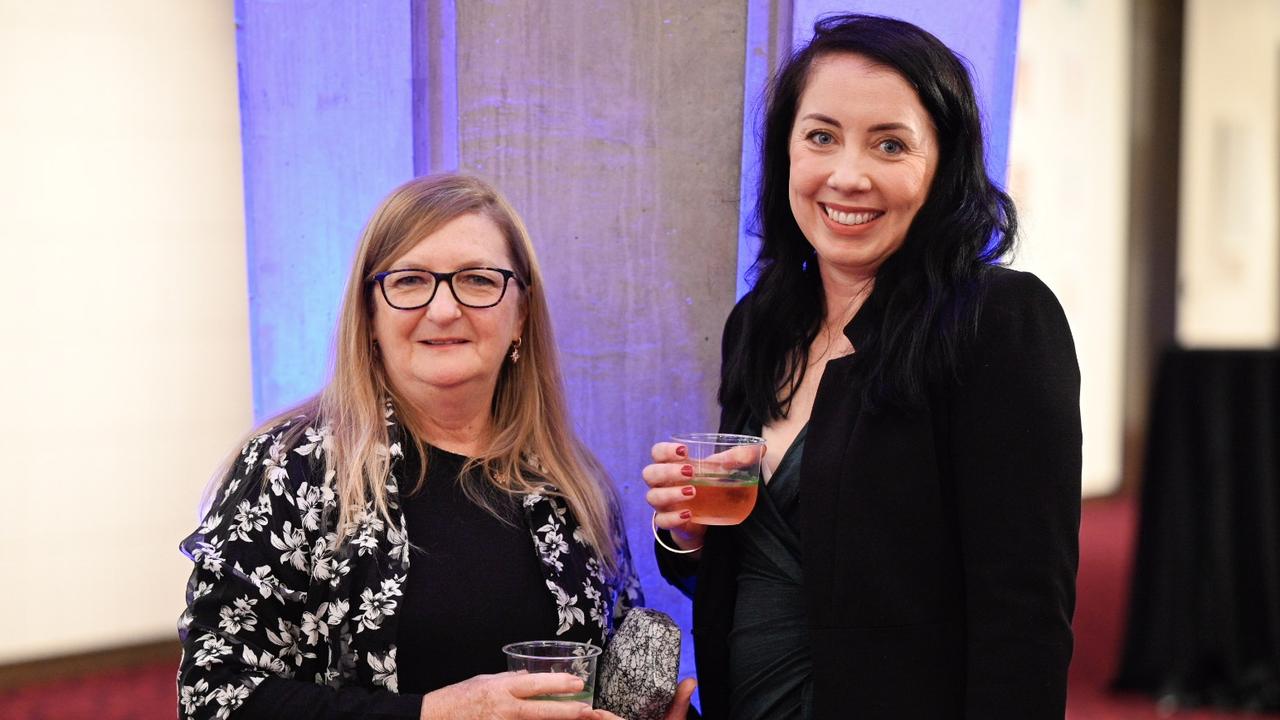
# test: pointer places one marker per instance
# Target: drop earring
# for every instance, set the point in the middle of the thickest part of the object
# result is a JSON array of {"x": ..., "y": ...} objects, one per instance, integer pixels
[{"x": 515, "y": 351}]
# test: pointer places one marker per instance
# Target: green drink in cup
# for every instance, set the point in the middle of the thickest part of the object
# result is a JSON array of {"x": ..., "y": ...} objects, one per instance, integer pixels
[
  {"x": 557, "y": 656},
  {"x": 726, "y": 475}
]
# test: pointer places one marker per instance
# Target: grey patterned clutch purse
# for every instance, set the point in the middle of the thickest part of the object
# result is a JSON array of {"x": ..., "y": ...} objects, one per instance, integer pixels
[{"x": 638, "y": 671}]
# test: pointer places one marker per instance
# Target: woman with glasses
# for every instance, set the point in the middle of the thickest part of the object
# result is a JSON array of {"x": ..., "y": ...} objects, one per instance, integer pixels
[{"x": 368, "y": 553}]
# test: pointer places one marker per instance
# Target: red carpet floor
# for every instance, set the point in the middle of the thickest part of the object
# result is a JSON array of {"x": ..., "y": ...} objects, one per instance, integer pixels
[
  {"x": 1106, "y": 556},
  {"x": 1106, "y": 535}
]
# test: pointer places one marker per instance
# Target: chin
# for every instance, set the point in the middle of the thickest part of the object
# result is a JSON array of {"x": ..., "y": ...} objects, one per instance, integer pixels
[{"x": 444, "y": 381}]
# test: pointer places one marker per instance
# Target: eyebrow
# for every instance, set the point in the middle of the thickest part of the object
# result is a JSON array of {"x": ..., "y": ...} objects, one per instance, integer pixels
[
  {"x": 823, "y": 119},
  {"x": 878, "y": 127},
  {"x": 463, "y": 265},
  {"x": 882, "y": 127}
]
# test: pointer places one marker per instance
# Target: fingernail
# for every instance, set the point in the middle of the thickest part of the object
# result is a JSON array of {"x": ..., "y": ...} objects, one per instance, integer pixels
[
  {"x": 687, "y": 471},
  {"x": 687, "y": 490},
  {"x": 686, "y": 514},
  {"x": 682, "y": 451}
]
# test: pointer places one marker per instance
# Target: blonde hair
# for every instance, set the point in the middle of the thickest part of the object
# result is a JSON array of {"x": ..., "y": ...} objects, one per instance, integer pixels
[{"x": 532, "y": 443}]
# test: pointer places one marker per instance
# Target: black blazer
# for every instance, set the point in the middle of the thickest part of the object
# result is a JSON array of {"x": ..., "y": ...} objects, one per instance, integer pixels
[{"x": 940, "y": 546}]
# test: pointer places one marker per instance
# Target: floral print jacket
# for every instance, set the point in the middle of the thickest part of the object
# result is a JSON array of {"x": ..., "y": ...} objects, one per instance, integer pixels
[{"x": 272, "y": 594}]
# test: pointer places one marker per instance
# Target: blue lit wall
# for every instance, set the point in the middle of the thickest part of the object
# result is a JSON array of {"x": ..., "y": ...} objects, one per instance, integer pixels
[
  {"x": 343, "y": 101},
  {"x": 327, "y": 130}
]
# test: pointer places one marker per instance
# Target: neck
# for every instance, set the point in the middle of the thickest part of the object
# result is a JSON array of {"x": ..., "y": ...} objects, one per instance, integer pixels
[
  {"x": 455, "y": 420},
  {"x": 844, "y": 294}
]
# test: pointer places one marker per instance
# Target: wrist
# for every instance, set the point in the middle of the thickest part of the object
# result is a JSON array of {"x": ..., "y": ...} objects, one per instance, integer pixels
[
  {"x": 682, "y": 544},
  {"x": 431, "y": 708},
  {"x": 687, "y": 540}
]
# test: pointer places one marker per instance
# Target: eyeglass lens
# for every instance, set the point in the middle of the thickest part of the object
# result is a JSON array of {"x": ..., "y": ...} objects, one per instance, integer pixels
[{"x": 478, "y": 287}]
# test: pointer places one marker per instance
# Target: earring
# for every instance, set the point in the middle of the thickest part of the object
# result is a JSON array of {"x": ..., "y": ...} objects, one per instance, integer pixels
[{"x": 515, "y": 351}]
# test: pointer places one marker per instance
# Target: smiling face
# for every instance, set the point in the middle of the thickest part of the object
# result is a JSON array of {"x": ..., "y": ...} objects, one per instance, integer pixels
[
  {"x": 863, "y": 154},
  {"x": 446, "y": 345}
]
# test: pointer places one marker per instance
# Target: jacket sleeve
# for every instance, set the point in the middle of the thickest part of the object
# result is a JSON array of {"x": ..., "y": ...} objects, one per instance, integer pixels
[
  {"x": 627, "y": 589},
  {"x": 246, "y": 618},
  {"x": 277, "y": 698},
  {"x": 681, "y": 570},
  {"x": 1015, "y": 444}
]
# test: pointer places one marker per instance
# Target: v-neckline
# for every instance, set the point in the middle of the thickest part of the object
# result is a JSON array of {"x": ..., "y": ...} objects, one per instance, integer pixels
[{"x": 791, "y": 449}]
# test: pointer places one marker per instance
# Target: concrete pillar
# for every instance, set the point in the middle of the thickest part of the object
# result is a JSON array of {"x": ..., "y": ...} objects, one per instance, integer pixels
[
  {"x": 615, "y": 129},
  {"x": 328, "y": 129}
]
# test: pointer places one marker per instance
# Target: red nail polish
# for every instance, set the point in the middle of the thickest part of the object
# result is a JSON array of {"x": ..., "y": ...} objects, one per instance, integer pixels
[
  {"x": 687, "y": 490},
  {"x": 687, "y": 471},
  {"x": 682, "y": 451},
  {"x": 686, "y": 514}
]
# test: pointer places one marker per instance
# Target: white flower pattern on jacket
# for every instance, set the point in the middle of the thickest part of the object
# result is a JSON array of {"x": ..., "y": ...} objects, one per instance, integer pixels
[{"x": 272, "y": 594}]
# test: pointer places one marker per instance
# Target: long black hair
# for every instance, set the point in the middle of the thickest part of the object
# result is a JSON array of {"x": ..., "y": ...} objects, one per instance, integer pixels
[{"x": 928, "y": 292}]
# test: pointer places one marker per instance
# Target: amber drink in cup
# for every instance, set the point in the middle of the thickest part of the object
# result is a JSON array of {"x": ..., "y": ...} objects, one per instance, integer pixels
[{"x": 726, "y": 475}]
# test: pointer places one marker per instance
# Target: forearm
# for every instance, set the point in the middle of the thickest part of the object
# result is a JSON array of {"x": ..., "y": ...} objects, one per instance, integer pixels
[
  {"x": 679, "y": 570},
  {"x": 280, "y": 699}
]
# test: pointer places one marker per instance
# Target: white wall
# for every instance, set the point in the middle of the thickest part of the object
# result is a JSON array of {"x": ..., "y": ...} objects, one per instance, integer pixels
[
  {"x": 125, "y": 373},
  {"x": 1228, "y": 252},
  {"x": 1069, "y": 175}
]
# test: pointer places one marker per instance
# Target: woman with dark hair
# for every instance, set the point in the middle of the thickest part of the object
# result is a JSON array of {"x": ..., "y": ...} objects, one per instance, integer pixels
[{"x": 913, "y": 551}]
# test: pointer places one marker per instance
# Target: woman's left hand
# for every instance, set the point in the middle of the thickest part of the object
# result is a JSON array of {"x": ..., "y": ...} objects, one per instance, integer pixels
[{"x": 679, "y": 709}]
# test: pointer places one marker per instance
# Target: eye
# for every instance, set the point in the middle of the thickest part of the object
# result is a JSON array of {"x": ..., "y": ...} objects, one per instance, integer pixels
[
  {"x": 821, "y": 138},
  {"x": 891, "y": 147},
  {"x": 407, "y": 280},
  {"x": 478, "y": 278}
]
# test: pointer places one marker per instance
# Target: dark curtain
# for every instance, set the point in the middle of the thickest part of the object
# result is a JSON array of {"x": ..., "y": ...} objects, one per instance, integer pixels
[{"x": 1204, "y": 613}]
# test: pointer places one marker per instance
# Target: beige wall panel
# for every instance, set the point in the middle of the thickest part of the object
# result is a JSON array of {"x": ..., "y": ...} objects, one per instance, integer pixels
[
  {"x": 1068, "y": 173},
  {"x": 122, "y": 287},
  {"x": 1229, "y": 245}
]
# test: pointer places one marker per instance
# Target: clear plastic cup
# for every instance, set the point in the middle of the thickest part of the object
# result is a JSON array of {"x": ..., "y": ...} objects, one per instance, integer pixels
[
  {"x": 557, "y": 656},
  {"x": 726, "y": 475}
]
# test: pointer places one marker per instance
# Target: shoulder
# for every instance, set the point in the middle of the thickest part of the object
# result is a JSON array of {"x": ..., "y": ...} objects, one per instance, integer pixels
[
  {"x": 1016, "y": 303},
  {"x": 282, "y": 455},
  {"x": 1021, "y": 330},
  {"x": 1006, "y": 287}
]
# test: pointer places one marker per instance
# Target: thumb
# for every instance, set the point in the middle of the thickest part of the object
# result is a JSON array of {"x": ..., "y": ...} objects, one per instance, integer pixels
[{"x": 680, "y": 705}]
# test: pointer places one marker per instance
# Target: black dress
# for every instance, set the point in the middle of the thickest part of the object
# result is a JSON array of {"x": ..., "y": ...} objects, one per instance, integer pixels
[{"x": 769, "y": 660}]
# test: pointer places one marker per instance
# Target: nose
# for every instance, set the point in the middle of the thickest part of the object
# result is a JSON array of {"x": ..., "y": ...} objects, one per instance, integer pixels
[
  {"x": 444, "y": 307},
  {"x": 849, "y": 173}
]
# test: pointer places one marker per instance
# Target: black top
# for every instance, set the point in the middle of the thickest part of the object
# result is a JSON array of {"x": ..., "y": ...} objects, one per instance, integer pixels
[
  {"x": 474, "y": 585},
  {"x": 769, "y": 663},
  {"x": 940, "y": 543}
]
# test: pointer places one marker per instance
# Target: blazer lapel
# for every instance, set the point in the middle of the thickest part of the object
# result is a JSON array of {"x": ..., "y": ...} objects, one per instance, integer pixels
[{"x": 571, "y": 571}]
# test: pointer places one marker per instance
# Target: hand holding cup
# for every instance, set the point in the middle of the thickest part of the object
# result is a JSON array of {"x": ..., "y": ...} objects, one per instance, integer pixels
[{"x": 702, "y": 479}]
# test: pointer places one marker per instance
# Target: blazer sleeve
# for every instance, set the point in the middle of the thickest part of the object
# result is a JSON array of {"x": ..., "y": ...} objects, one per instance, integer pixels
[
  {"x": 680, "y": 570},
  {"x": 628, "y": 592},
  {"x": 245, "y": 621},
  {"x": 1015, "y": 445}
]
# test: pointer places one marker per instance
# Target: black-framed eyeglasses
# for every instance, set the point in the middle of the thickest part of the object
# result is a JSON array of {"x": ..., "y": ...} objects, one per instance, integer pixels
[{"x": 475, "y": 287}]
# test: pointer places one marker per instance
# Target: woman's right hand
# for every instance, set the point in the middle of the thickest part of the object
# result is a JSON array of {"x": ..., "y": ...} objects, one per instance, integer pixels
[
  {"x": 670, "y": 492},
  {"x": 505, "y": 695}
]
